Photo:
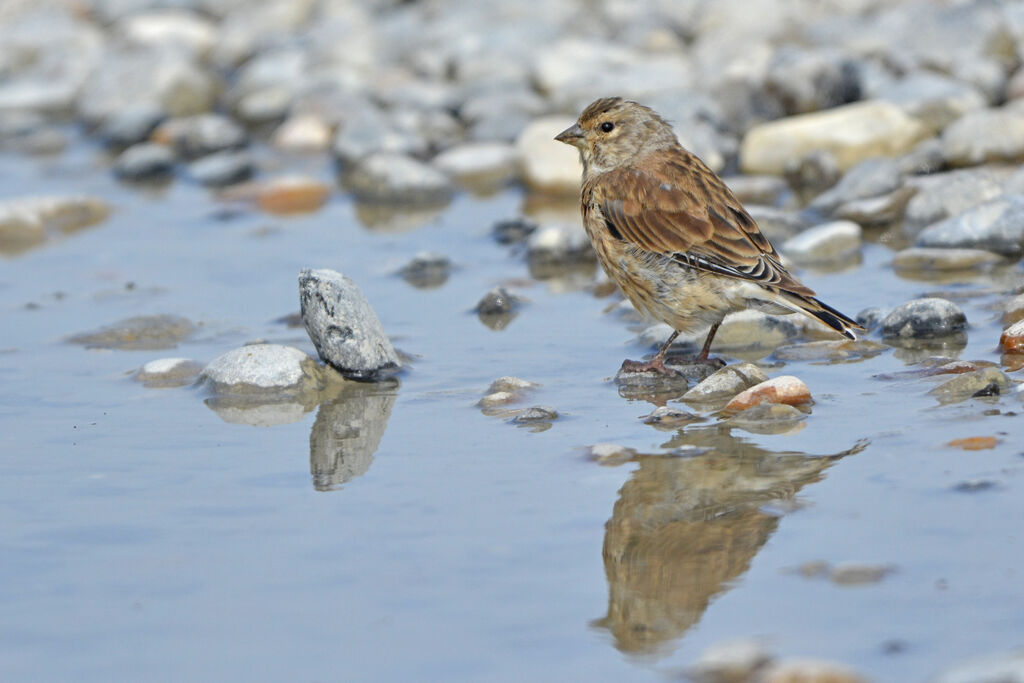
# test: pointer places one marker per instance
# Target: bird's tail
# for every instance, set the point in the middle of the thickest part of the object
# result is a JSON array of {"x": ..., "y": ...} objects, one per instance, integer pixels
[{"x": 816, "y": 308}]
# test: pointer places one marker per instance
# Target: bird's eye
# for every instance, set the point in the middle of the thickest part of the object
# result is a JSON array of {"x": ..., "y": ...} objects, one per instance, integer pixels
[{"x": 607, "y": 126}]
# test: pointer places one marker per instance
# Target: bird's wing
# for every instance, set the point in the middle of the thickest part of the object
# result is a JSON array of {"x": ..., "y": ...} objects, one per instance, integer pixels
[{"x": 672, "y": 204}]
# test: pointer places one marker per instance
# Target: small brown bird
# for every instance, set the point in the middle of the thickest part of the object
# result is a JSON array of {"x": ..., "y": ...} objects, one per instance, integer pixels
[{"x": 670, "y": 233}]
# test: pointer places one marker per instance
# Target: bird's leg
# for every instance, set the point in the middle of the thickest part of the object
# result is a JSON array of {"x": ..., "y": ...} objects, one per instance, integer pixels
[
  {"x": 657, "y": 363},
  {"x": 702, "y": 357}
]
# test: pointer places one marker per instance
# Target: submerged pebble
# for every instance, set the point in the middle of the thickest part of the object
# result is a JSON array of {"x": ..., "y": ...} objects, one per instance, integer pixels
[
  {"x": 223, "y": 168},
  {"x": 1012, "y": 338},
  {"x": 809, "y": 671},
  {"x": 669, "y": 417},
  {"x": 514, "y": 230},
  {"x": 785, "y": 389},
  {"x": 343, "y": 326},
  {"x": 141, "y": 332},
  {"x": 735, "y": 661},
  {"x": 978, "y": 383},
  {"x": 169, "y": 372}
]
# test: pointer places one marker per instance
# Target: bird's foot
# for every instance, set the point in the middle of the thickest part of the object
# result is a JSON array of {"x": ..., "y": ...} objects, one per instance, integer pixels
[{"x": 656, "y": 364}]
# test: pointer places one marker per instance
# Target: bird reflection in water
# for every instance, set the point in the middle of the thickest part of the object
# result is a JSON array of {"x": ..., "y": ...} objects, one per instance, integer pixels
[{"x": 685, "y": 528}]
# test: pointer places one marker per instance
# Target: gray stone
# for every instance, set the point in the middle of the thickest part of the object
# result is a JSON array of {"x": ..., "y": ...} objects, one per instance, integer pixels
[
  {"x": 758, "y": 189},
  {"x": 925, "y": 157},
  {"x": 392, "y": 178},
  {"x": 988, "y": 135},
  {"x": 984, "y": 382},
  {"x": 858, "y": 574},
  {"x": 935, "y": 99},
  {"x": 144, "y": 161},
  {"x": 809, "y": 80},
  {"x": 813, "y": 173},
  {"x": 943, "y": 195},
  {"x": 366, "y": 130},
  {"x": 870, "y": 178},
  {"x": 871, "y": 318},
  {"x": 769, "y": 418},
  {"x": 873, "y": 211},
  {"x": 1005, "y": 667},
  {"x": 924, "y": 319},
  {"x": 169, "y": 372},
  {"x": 343, "y": 327},
  {"x": 222, "y": 168},
  {"x": 936, "y": 259},
  {"x": 668, "y": 417},
  {"x": 779, "y": 224},
  {"x": 726, "y": 383},
  {"x": 427, "y": 270},
  {"x": 824, "y": 243},
  {"x": 132, "y": 125},
  {"x": 141, "y": 332},
  {"x": 996, "y": 226},
  {"x": 501, "y": 114}
]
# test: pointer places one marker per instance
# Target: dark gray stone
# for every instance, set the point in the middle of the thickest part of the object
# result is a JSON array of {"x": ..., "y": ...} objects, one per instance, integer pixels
[
  {"x": 391, "y": 178},
  {"x": 498, "y": 301},
  {"x": 222, "y": 168},
  {"x": 199, "y": 136},
  {"x": 870, "y": 178},
  {"x": 144, "y": 161},
  {"x": 343, "y": 326},
  {"x": 514, "y": 230},
  {"x": 427, "y": 270},
  {"x": 131, "y": 126},
  {"x": 924, "y": 319}
]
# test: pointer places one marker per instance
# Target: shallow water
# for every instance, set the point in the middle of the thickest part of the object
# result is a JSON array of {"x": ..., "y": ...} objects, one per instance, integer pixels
[{"x": 145, "y": 535}]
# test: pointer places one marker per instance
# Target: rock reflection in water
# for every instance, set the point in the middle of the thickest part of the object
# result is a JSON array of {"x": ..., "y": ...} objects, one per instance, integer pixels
[
  {"x": 685, "y": 528},
  {"x": 347, "y": 432}
]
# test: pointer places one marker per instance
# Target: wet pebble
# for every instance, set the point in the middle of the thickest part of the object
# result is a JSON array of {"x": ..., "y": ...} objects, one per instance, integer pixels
[
  {"x": 786, "y": 389},
  {"x": 548, "y": 165},
  {"x": 726, "y": 383},
  {"x": 987, "y": 135},
  {"x": 996, "y": 226},
  {"x": 851, "y": 133},
  {"x": 824, "y": 243},
  {"x": 427, "y": 269},
  {"x": 142, "y": 332},
  {"x": 394, "y": 178},
  {"x": 144, "y": 161},
  {"x": 650, "y": 385},
  {"x": 871, "y": 318},
  {"x": 924, "y": 319},
  {"x": 937, "y": 259},
  {"x": 536, "y": 415},
  {"x": 498, "y": 301},
  {"x": 483, "y": 165},
  {"x": 343, "y": 326},
  {"x": 169, "y": 372},
  {"x": 497, "y": 398},
  {"x": 222, "y": 168},
  {"x": 809, "y": 671},
  {"x": 669, "y": 417},
  {"x": 514, "y": 230},
  {"x": 511, "y": 384},
  {"x": 1005, "y": 667},
  {"x": 1012, "y": 338},
  {"x": 975, "y": 384}
]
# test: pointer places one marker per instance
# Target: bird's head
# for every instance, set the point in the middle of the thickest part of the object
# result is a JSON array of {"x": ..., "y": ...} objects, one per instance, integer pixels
[{"x": 612, "y": 132}]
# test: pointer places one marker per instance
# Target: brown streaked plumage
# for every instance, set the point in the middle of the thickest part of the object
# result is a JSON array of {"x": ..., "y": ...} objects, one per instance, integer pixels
[{"x": 670, "y": 233}]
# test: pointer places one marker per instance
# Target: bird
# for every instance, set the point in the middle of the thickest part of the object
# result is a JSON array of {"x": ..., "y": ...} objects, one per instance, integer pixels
[{"x": 670, "y": 233}]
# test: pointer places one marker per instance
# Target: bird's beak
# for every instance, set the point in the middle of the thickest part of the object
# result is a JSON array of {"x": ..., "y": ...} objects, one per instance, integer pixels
[{"x": 571, "y": 135}]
